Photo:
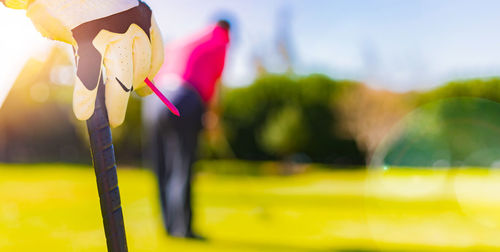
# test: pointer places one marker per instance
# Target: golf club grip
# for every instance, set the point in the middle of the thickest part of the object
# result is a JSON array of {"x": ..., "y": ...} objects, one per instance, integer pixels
[{"x": 103, "y": 158}]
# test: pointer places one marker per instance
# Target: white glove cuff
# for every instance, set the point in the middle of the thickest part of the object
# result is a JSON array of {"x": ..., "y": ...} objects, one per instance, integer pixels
[{"x": 76, "y": 12}]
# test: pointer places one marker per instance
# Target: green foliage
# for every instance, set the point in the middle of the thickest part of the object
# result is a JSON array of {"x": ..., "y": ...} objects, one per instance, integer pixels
[
  {"x": 284, "y": 132},
  {"x": 36, "y": 124},
  {"x": 479, "y": 88},
  {"x": 453, "y": 131},
  {"x": 280, "y": 116},
  {"x": 456, "y": 124},
  {"x": 127, "y": 138}
]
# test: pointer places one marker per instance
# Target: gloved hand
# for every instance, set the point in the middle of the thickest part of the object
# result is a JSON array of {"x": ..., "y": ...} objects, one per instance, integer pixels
[{"x": 118, "y": 36}]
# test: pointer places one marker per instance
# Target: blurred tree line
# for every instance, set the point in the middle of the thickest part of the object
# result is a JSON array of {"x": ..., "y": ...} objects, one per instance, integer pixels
[
  {"x": 289, "y": 118},
  {"x": 278, "y": 117},
  {"x": 37, "y": 122}
]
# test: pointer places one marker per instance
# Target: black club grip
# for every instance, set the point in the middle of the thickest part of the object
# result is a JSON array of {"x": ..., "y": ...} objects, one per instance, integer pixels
[{"x": 103, "y": 158}]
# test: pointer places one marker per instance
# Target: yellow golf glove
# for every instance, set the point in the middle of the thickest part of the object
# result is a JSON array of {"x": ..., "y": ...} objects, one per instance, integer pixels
[{"x": 118, "y": 40}]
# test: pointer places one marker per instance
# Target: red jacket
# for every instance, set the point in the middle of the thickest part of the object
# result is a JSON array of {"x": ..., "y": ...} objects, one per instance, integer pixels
[{"x": 198, "y": 60}]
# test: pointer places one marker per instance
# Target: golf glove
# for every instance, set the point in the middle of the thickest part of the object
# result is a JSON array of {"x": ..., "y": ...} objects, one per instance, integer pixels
[{"x": 114, "y": 39}]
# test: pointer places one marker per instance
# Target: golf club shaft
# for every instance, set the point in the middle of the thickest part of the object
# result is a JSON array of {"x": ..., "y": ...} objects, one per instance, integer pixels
[{"x": 103, "y": 158}]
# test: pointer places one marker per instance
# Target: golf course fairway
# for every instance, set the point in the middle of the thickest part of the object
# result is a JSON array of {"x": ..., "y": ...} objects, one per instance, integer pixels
[{"x": 54, "y": 207}]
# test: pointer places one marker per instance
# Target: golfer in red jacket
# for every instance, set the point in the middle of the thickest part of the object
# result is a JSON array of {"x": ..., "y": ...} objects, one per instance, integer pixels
[{"x": 189, "y": 77}]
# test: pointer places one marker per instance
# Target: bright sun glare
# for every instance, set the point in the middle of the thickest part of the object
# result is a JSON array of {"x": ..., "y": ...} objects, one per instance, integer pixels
[{"x": 18, "y": 41}]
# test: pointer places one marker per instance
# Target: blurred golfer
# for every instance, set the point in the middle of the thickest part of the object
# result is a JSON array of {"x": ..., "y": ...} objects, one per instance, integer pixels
[{"x": 188, "y": 77}]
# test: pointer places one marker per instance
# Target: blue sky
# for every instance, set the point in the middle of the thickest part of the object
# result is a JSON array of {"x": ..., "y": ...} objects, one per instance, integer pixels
[
  {"x": 399, "y": 45},
  {"x": 393, "y": 44}
]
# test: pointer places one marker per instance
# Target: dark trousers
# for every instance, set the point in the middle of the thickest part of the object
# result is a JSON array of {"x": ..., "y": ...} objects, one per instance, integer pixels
[{"x": 173, "y": 147}]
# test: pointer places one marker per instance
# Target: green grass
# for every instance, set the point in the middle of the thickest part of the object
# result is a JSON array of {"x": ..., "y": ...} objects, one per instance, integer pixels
[{"x": 55, "y": 208}]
